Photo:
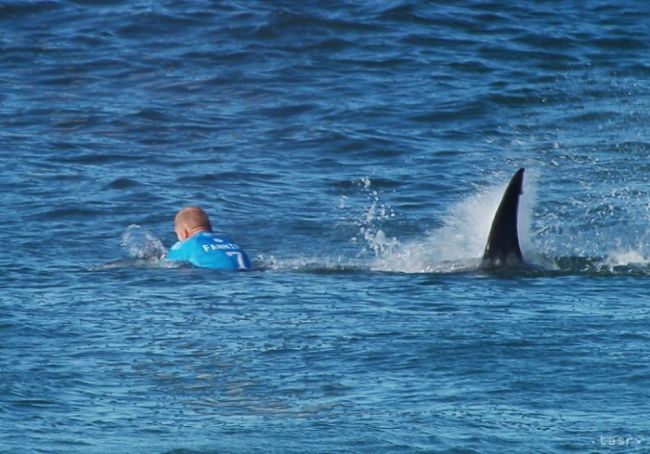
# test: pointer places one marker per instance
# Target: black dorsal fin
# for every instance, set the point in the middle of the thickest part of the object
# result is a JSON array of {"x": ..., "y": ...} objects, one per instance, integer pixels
[{"x": 502, "y": 249}]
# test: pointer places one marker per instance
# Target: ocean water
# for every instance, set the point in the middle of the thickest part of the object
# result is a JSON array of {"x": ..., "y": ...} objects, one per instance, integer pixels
[{"x": 357, "y": 151}]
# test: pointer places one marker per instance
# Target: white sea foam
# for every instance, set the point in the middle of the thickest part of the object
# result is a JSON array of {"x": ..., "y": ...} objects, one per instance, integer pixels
[
  {"x": 626, "y": 257},
  {"x": 306, "y": 264}
]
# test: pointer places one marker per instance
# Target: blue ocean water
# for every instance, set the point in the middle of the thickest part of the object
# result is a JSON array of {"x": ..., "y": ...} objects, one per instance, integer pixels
[{"x": 357, "y": 151}]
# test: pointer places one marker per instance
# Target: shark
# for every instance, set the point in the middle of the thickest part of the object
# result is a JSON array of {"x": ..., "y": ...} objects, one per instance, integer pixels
[{"x": 502, "y": 250}]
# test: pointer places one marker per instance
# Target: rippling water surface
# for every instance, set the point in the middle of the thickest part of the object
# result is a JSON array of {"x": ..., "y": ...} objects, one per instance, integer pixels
[{"x": 357, "y": 151}]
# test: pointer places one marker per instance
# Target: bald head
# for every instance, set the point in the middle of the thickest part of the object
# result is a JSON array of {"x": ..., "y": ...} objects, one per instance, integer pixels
[{"x": 191, "y": 220}]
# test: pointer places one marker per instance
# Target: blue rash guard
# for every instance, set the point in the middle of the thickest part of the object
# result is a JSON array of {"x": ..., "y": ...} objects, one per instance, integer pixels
[{"x": 207, "y": 250}]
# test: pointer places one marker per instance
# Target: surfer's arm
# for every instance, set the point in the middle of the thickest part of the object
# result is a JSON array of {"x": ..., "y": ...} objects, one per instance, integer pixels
[{"x": 177, "y": 253}]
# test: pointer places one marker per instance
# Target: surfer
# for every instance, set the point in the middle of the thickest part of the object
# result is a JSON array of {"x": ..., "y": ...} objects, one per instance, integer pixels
[{"x": 198, "y": 245}]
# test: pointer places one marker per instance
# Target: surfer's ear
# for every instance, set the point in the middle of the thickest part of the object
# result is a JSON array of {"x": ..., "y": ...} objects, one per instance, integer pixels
[{"x": 182, "y": 234}]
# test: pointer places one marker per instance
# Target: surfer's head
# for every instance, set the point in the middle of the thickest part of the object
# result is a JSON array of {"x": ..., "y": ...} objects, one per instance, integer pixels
[{"x": 191, "y": 220}]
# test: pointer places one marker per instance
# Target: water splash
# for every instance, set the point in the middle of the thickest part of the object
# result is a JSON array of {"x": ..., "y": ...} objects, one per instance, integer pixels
[
  {"x": 142, "y": 244},
  {"x": 365, "y": 212},
  {"x": 459, "y": 243},
  {"x": 145, "y": 251},
  {"x": 634, "y": 257},
  {"x": 627, "y": 257},
  {"x": 369, "y": 233}
]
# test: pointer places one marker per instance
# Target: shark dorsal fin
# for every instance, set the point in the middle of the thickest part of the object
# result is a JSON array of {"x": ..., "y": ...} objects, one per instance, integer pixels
[{"x": 502, "y": 249}]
